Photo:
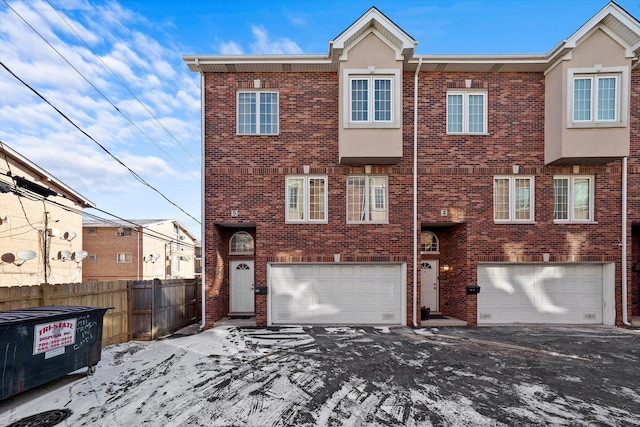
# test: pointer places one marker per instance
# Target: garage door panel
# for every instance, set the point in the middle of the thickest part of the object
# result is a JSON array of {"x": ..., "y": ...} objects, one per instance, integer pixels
[
  {"x": 336, "y": 293},
  {"x": 540, "y": 294}
]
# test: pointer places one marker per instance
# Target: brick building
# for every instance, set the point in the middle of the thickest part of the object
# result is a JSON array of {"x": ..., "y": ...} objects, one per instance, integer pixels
[
  {"x": 139, "y": 249},
  {"x": 358, "y": 186}
]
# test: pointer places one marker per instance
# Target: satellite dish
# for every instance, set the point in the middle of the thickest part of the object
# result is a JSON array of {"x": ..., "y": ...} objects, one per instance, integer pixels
[
  {"x": 25, "y": 255},
  {"x": 69, "y": 235},
  {"x": 80, "y": 255},
  {"x": 8, "y": 257},
  {"x": 64, "y": 255}
]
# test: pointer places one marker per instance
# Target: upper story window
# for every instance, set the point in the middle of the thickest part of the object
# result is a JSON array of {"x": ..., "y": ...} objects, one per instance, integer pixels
[
  {"x": 367, "y": 198},
  {"x": 124, "y": 258},
  {"x": 92, "y": 231},
  {"x": 371, "y": 99},
  {"x": 573, "y": 198},
  {"x": 126, "y": 231},
  {"x": 306, "y": 198},
  {"x": 258, "y": 113},
  {"x": 241, "y": 243},
  {"x": 597, "y": 97},
  {"x": 466, "y": 111},
  {"x": 513, "y": 199}
]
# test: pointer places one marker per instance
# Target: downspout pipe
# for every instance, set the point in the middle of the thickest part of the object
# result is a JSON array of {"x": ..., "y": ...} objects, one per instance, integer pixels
[
  {"x": 623, "y": 264},
  {"x": 415, "y": 194},
  {"x": 202, "y": 209}
]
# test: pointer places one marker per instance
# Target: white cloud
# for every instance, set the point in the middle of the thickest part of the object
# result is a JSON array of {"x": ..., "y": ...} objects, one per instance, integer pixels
[
  {"x": 264, "y": 44},
  {"x": 152, "y": 69},
  {"x": 230, "y": 48}
]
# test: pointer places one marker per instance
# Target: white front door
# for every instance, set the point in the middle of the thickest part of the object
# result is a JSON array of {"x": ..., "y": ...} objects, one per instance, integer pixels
[
  {"x": 429, "y": 284},
  {"x": 241, "y": 287}
]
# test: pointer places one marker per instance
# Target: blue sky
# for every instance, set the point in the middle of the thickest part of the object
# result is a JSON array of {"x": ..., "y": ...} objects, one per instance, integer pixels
[{"x": 116, "y": 70}]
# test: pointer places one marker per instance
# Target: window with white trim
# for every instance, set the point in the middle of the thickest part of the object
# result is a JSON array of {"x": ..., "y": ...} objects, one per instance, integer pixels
[
  {"x": 513, "y": 199},
  {"x": 306, "y": 198},
  {"x": 367, "y": 198},
  {"x": 595, "y": 98},
  {"x": 124, "y": 258},
  {"x": 258, "y": 113},
  {"x": 92, "y": 231},
  {"x": 573, "y": 198},
  {"x": 241, "y": 243},
  {"x": 371, "y": 99},
  {"x": 429, "y": 243},
  {"x": 466, "y": 111}
]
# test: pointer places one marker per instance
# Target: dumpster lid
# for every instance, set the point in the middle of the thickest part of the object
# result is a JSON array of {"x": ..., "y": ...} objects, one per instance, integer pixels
[{"x": 33, "y": 313}]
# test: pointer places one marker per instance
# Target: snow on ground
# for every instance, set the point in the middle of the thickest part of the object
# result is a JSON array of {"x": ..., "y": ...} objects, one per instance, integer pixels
[{"x": 344, "y": 376}]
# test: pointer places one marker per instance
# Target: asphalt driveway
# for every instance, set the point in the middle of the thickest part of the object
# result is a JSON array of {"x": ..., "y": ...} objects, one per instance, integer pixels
[{"x": 356, "y": 376}]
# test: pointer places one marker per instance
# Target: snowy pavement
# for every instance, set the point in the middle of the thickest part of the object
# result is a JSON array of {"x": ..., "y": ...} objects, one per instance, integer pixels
[{"x": 363, "y": 376}]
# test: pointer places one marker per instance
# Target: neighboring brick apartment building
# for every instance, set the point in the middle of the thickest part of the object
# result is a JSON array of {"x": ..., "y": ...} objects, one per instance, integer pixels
[
  {"x": 357, "y": 186},
  {"x": 134, "y": 249},
  {"x": 40, "y": 224}
]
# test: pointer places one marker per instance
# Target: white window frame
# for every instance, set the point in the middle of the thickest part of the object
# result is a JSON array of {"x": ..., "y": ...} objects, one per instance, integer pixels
[
  {"x": 571, "y": 198},
  {"x": 513, "y": 199},
  {"x": 306, "y": 208},
  {"x": 594, "y": 74},
  {"x": 371, "y": 74},
  {"x": 241, "y": 243},
  {"x": 258, "y": 105},
  {"x": 369, "y": 208},
  {"x": 465, "y": 111},
  {"x": 429, "y": 243},
  {"x": 124, "y": 258}
]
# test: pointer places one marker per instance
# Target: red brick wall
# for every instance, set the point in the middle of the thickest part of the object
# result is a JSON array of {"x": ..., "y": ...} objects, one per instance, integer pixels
[
  {"x": 246, "y": 173},
  {"x": 106, "y": 245}
]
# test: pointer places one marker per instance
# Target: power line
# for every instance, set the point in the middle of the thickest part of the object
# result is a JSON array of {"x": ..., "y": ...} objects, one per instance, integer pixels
[
  {"x": 104, "y": 96},
  {"x": 134, "y": 174},
  {"x": 143, "y": 229},
  {"x": 122, "y": 83}
]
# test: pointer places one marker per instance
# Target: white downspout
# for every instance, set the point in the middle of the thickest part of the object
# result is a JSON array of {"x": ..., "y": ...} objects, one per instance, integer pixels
[
  {"x": 415, "y": 193},
  {"x": 202, "y": 198},
  {"x": 623, "y": 264}
]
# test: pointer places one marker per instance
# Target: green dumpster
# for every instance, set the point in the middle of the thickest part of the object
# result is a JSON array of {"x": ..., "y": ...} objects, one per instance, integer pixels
[{"x": 41, "y": 344}]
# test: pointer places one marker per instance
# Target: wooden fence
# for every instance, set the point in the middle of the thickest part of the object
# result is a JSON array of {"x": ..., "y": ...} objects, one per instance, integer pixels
[{"x": 138, "y": 310}]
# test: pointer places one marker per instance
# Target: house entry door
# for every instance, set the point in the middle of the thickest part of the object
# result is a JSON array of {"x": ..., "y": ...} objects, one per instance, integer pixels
[
  {"x": 241, "y": 298},
  {"x": 429, "y": 285}
]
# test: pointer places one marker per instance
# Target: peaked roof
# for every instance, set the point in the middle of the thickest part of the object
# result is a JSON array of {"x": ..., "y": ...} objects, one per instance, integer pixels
[
  {"x": 45, "y": 178},
  {"x": 373, "y": 19},
  {"x": 612, "y": 18}
]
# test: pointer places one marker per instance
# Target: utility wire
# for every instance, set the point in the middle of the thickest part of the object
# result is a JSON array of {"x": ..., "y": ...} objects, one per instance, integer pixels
[
  {"x": 135, "y": 175},
  {"x": 104, "y": 96},
  {"x": 122, "y": 83},
  {"x": 143, "y": 229}
]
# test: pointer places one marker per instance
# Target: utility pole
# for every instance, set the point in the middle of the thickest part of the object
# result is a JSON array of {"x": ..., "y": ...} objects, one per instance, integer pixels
[{"x": 45, "y": 236}]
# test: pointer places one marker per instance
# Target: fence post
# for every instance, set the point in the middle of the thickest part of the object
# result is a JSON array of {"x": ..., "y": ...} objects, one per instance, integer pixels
[
  {"x": 46, "y": 294},
  {"x": 129, "y": 310},
  {"x": 155, "y": 302}
]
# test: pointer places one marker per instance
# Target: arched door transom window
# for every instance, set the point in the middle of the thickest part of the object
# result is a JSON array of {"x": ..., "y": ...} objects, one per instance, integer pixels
[
  {"x": 241, "y": 243},
  {"x": 429, "y": 243}
]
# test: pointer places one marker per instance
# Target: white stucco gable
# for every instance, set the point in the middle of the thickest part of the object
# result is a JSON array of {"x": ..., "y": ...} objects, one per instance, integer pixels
[{"x": 374, "y": 21}]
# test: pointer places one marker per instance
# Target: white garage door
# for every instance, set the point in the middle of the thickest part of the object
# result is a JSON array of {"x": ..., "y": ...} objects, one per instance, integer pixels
[
  {"x": 534, "y": 293},
  {"x": 344, "y": 294}
]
